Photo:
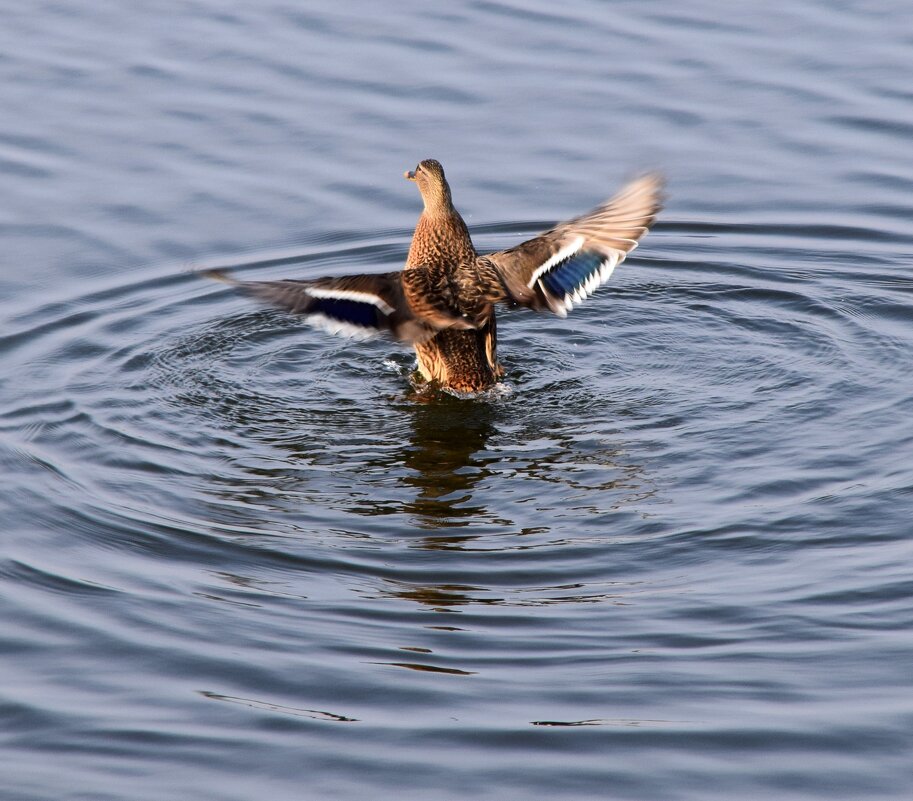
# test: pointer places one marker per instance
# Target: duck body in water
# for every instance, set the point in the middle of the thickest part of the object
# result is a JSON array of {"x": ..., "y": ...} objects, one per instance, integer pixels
[{"x": 443, "y": 300}]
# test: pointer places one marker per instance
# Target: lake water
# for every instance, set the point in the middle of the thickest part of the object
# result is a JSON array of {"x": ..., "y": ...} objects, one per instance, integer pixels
[{"x": 240, "y": 559}]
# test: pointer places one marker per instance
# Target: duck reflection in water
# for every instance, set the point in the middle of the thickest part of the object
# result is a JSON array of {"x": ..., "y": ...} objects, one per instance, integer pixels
[
  {"x": 446, "y": 460},
  {"x": 460, "y": 475},
  {"x": 435, "y": 476},
  {"x": 424, "y": 462},
  {"x": 441, "y": 467}
]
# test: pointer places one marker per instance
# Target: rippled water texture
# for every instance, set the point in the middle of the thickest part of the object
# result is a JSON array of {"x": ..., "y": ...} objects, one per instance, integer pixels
[{"x": 669, "y": 559}]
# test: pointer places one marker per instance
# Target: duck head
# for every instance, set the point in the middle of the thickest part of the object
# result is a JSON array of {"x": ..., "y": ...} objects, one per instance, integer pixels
[{"x": 429, "y": 176}]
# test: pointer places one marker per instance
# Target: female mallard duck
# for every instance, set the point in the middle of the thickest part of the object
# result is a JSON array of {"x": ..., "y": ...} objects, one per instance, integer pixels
[{"x": 442, "y": 301}]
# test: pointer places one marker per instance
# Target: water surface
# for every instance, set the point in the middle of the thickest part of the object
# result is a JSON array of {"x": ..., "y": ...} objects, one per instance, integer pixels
[{"x": 242, "y": 559}]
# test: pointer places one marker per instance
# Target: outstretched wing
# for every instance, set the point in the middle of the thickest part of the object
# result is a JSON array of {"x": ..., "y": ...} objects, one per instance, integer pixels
[
  {"x": 565, "y": 265},
  {"x": 359, "y": 306}
]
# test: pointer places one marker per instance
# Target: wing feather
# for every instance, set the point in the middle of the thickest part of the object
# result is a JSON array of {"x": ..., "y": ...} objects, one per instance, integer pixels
[
  {"x": 359, "y": 306},
  {"x": 563, "y": 266}
]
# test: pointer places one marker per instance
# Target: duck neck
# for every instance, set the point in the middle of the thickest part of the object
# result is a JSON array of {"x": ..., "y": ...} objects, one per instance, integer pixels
[{"x": 438, "y": 202}]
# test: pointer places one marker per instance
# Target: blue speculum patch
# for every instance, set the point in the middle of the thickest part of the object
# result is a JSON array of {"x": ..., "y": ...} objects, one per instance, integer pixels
[
  {"x": 347, "y": 311},
  {"x": 568, "y": 275}
]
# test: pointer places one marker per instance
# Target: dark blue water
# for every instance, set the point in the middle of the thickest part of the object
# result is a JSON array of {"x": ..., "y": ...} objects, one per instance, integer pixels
[{"x": 670, "y": 559}]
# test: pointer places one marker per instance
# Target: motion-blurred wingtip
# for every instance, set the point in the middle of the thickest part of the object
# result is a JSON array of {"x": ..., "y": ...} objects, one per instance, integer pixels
[
  {"x": 659, "y": 185},
  {"x": 219, "y": 275}
]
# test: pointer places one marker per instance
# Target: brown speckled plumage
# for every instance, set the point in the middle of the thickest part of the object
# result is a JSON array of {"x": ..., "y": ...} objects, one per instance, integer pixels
[
  {"x": 443, "y": 300},
  {"x": 464, "y": 360}
]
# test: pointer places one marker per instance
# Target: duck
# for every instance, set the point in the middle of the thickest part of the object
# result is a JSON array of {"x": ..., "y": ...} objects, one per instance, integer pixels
[{"x": 443, "y": 301}]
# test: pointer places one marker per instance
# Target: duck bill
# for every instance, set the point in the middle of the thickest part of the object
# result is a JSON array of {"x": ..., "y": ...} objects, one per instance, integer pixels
[{"x": 409, "y": 175}]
